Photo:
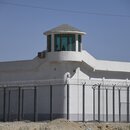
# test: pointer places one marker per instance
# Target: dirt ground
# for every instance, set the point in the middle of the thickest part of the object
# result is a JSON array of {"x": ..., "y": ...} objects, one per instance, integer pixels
[{"x": 62, "y": 124}]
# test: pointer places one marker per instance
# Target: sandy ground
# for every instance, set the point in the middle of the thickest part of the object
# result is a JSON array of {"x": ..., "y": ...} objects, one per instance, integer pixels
[{"x": 62, "y": 124}]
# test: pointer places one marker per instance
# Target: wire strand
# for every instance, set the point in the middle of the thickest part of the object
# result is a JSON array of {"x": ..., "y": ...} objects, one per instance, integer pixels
[{"x": 64, "y": 10}]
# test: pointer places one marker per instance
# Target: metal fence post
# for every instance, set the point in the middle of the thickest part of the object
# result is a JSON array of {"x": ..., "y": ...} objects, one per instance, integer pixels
[
  {"x": 127, "y": 104},
  {"x": 93, "y": 104},
  {"x": 9, "y": 105},
  {"x": 22, "y": 109},
  {"x": 19, "y": 103},
  {"x": 113, "y": 103},
  {"x": 4, "y": 104},
  {"x": 35, "y": 103},
  {"x": 119, "y": 93},
  {"x": 67, "y": 101},
  {"x": 99, "y": 103},
  {"x": 83, "y": 115},
  {"x": 106, "y": 105},
  {"x": 51, "y": 106}
]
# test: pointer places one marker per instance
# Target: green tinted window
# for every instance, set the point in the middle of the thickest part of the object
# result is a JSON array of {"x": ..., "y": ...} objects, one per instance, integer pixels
[
  {"x": 71, "y": 42},
  {"x": 49, "y": 43},
  {"x": 79, "y": 42},
  {"x": 64, "y": 42},
  {"x": 57, "y": 43}
]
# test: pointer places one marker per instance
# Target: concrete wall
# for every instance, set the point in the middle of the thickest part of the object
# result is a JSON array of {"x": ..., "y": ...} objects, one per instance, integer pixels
[{"x": 56, "y": 66}]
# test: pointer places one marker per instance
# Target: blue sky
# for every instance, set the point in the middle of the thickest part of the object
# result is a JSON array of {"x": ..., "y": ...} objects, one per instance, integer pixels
[{"x": 106, "y": 22}]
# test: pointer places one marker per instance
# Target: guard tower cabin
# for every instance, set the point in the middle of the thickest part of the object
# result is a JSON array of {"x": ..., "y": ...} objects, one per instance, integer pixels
[{"x": 64, "y": 43}]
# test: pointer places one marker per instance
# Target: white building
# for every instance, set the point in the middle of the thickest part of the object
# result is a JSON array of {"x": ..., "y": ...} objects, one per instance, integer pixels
[{"x": 65, "y": 81}]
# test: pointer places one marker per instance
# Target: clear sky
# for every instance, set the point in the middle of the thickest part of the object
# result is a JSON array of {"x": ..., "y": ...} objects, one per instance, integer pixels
[{"x": 106, "y": 22}]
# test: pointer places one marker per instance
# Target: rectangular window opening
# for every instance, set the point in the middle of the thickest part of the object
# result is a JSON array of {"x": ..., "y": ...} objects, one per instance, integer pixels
[
  {"x": 49, "y": 43},
  {"x": 65, "y": 42},
  {"x": 79, "y": 42}
]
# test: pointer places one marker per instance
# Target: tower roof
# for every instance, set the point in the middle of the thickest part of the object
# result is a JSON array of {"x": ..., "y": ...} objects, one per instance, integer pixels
[{"x": 64, "y": 28}]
